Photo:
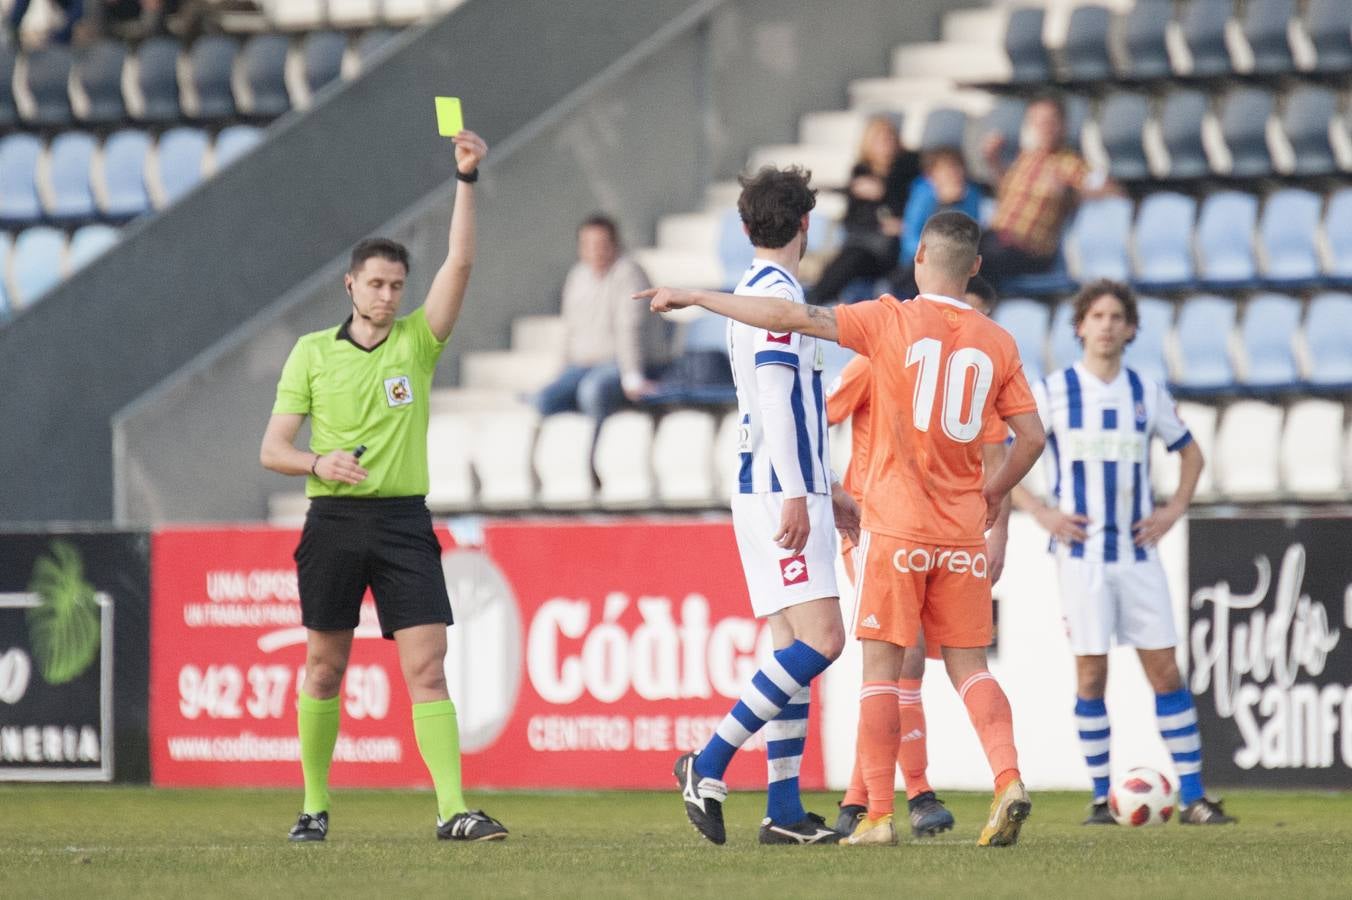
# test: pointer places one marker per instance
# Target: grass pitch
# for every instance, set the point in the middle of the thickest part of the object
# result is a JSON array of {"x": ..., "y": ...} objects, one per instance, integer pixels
[{"x": 79, "y": 841}]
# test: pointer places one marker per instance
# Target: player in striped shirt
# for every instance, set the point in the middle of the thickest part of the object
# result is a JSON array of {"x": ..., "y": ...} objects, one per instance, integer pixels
[{"x": 1100, "y": 417}]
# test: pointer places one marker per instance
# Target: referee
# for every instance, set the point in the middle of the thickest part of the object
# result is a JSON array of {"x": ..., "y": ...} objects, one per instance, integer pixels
[{"x": 365, "y": 385}]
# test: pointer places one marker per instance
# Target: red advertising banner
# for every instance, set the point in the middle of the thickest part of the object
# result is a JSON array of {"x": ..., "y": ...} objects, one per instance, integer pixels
[{"x": 583, "y": 656}]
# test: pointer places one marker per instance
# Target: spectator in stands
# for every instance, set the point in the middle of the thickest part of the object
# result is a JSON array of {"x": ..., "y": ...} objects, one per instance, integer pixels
[
  {"x": 614, "y": 350},
  {"x": 943, "y": 186},
  {"x": 1036, "y": 194},
  {"x": 72, "y": 12},
  {"x": 979, "y": 295},
  {"x": 879, "y": 186}
]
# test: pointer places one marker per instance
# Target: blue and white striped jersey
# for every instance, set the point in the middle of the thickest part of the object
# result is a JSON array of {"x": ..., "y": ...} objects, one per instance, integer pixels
[
  {"x": 1098, "y": 452},
  {"x": 751, "y": 349}
]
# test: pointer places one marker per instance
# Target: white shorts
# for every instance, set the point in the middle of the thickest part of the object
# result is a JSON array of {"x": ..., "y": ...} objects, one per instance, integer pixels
[
  {"x": 1126, "y": 602},
  {"x": 775, "y": 578}
]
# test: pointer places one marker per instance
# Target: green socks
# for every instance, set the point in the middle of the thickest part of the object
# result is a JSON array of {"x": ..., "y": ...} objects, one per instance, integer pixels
[
  {"x": 438, "y": 734},
  {"x": 317, "y": 722}
]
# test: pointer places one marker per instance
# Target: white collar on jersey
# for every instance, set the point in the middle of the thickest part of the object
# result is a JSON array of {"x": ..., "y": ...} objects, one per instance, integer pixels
[
  {"x": 1080, "y": 367},
  {"x": 940, "y": 298}
]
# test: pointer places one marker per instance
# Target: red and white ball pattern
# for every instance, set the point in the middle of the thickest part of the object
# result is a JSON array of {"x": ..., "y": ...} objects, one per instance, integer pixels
[{"x": 1142, "y": 797}]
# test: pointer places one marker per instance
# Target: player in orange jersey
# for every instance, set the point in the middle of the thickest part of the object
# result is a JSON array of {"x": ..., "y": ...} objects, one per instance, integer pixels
[
  {"x": 848, "y": 398},
  {"x": 941, "y": 370}
]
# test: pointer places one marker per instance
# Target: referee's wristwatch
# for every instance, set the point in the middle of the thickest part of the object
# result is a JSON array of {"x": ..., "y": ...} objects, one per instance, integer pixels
[{"x": 467, "y": 177}]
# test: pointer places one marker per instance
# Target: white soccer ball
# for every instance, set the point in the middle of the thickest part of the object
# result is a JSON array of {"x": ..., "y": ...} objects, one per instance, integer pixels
[{"x": 1142, "y": 797}]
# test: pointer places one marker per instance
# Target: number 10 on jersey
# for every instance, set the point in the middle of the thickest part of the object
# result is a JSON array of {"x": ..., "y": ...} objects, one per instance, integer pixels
[{"x": 963, "y": 369}]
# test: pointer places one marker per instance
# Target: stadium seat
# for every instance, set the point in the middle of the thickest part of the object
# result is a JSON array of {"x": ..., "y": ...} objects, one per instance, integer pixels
[
  {"x": 1181, "y": 117},
  {"x": 563, "y": 460},
  {"x": 296, "y": 15},
  {"x": 1164, "y": 466},
  {"x": 1085, "y": 53},
  {"x": 501, "y": 456},
  {"x": 9, "y": 112},
  {"x": 734, "y": 249},
  {"x": 944, "y": 127},
  {"x": 683, "y": 455},
  {"x": 180, "y": 164},
  {"x": 211, "y": 65},
  {"x": 322, "y": 59},
  {"x": 1121, "y": 124},
  {"x": 1247, "y": 444},
  {"x": 1328, "y": 342},
  {"x": 1286, "y": 236},
  {"x": 1077, "y": 113},
  {"x": 1265, "y": 28},
  {"x": 119, "y": 174},
  {"x": 1027, "y": 321},
  {"x": 1023, "y": 43},
  {"x": 1244, "y": 115},
  {"x": 1338, "y": 235},
  {"x": 834, "y": 360},
  {"x": 46, "y": 80},
  {"x": 1202, "y": 365},
  {"x": 235, "y": 141},
  {"x": 1146, "y": 354},
  {"x": 727, "y": 463},
  {"x": 1266, "y": 338},
  {"x": 1311, "y": 456},
  {"x": 88, "y": 243},
  {"x": 1065, "y": 346},
  {"x": 1309, "y": 110},
  {"x": 370, "y": 42},
  {"x": 19, "y": 154},
  {"x": 65, "y": 189},
  {"x": 36, "y": 264},
  {"x": 1203, "y": 26},
  {"x": 6, "y": 247},
  {"x": 263, "y": 76},
  {"x": 623, "y": 460},
  {"x": 1225, "y": 232},
  {"x": 1162, "y": 241},
  {"x": 405, "y": 12},
  {"x": 1143, "y": 33},
  {"x": 97, "y": 77},
  {"x": 157, "y": 80},
  {"x": 1096, "y": 244},
  {"x": 354, "y": 13},
  {"x": 1326, "y": 21},
  {"x": 450, "y": 476},
  {"x": 1006, "y": 119}
]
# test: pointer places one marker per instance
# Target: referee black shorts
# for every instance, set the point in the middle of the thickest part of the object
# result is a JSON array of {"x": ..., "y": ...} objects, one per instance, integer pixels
[{"x": 384, "y": 543}]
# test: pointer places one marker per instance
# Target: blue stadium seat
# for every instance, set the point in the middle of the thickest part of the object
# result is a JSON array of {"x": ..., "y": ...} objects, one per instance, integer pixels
[
  {"x": 1065, "y": 346},
  {"x": 1225, "y": 231},
  {"x": 1006, "y": 119},
  {"x": 1204, "y": 32},
  {"x": 235, "y": 141},
  {"x": 944, "y": 127},
  {"x": 1023, "y": 43},
  {"x": 1181, "y": 118},
  {"x": 157, "y": 78},
  {"x": 98, "y": 72},
  {"x": 1338, "y": 233},
  {"x": 1204, "y": 327},
  {"x": 19, "y": 179},
  {"x": 35, "y": 267},
  {"x": 211, "y": 63},
  {"x": 1077, "y": 113},
  {"x": 1143, "y": 32},
  {"x": 123, "y": 186},
  {"x": 1265, "y": 24},
  {"x": 1270, "y": 324},
  {"x": 6, "y": 246},
  {"x": 265, "y": 74},
  {"x": 180, "y": 159},
  {"x": 1085, "y": 52},
  {"x": 1329, "y": 24},
  {"x": 1145, "y": 353},
  {"x": 1328, "y": 340},
  {"x": 1121, "y": 124},
  {"x": 9, "y": 113},
  {"x": 1244, "y": 114},
  {"x": 704, "y": 349},
  {"x": 706, "y": 332},
  {"x": 370, "y": 42},
  {"x": 1027, "y": 321},
  {"x": 1097, "y": 241},
  {"x": 834, "y": 359},
  {"x": 1286, "y": 233},
  {"x": 1305, "y": 119},
  {"x": 1053, "y": 282},
  {"x": 89, "y": 242},
  {"x": 70, "y": 196},
  {"x": 734, "y": 249},
  {"x": 48, "y": 79},
  {"x": 322, "y": 58},
  {"x": 1163, "y": 241}
]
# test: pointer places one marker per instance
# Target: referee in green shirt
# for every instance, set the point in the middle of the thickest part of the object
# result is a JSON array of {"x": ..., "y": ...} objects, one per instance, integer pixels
[{"x": 365, "y": 385}]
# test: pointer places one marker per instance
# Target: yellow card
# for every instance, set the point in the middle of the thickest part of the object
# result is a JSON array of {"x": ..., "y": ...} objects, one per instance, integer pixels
[{"x": 450, "y": 121}]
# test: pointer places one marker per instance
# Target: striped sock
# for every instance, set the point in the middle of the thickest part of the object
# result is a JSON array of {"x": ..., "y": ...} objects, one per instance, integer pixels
[
  {"x": 988, "y": 708},
  {"x": 878, "y": 742},
  {"x": 785, "y": 736},
  {"x": 1091, "y": 718},
  {"x": 1177, "y": 719},
  {"x": 913, "y": 756},
  {"x": 788, "y": 672}
]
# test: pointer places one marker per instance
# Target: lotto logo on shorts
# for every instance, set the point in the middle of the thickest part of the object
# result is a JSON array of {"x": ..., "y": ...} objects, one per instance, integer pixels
[{"x": 793, "y": 570}]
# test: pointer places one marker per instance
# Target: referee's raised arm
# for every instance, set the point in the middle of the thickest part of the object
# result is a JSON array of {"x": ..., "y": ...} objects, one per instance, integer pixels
[{"x": 447, "y": 293}]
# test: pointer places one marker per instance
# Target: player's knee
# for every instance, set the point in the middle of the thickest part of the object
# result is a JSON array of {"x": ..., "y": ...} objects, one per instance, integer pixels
[
  {"x": 426, "y": 675},
  {"x": 323, "y": 677},
  {"x": 829, "y": 641}
]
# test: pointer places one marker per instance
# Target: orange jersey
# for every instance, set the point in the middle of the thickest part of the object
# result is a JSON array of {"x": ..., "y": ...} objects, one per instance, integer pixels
[
  {"x": 941, "y": 373},
  {"x": 848, "y": 398}
]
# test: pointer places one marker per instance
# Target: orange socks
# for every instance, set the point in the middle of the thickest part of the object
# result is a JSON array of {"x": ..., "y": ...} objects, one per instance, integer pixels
[
  {"x": 988, "y": 708},
  {"x": 879, "y": 738},
  {"x": 912, "y": 756}
]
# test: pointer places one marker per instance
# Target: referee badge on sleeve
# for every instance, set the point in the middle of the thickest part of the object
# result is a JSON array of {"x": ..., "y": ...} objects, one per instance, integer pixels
[{"x": 398, "y": 392}]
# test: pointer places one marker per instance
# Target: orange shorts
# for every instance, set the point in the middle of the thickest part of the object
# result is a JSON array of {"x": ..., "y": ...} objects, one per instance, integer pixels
[
  {"x": 933, "y": 649},
  {"x": 910, "y": 589}
]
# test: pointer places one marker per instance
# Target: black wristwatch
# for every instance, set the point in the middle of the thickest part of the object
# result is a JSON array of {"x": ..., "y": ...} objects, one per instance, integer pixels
[{"x": 467, "y": 177}]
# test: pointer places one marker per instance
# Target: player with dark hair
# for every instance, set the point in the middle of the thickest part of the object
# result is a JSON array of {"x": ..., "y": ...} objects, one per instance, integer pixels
[{"x": 364, "y": 386}]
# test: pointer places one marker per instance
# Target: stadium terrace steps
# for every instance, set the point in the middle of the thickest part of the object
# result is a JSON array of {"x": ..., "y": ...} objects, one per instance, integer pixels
[{"x": 522, "y": 371}]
